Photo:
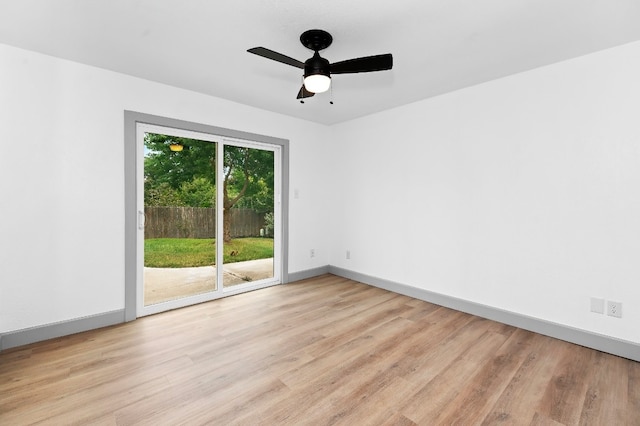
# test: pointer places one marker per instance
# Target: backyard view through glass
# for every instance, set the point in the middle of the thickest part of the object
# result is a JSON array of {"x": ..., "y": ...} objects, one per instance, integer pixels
[
  {"x": 181, "y": 230},
  {"x": 248, "y": 194}
]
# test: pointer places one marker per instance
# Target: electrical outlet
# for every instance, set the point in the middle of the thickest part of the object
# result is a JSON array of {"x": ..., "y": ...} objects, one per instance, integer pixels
[
  {"x": 312, "y": 252},
  {"x": 597, "y": 305},
  {"x": 348, "y": 254},
  {"x": 614, "y": 309}
]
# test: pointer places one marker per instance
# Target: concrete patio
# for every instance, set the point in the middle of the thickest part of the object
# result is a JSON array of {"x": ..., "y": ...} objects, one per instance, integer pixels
[{"x": 163, "y": 284}]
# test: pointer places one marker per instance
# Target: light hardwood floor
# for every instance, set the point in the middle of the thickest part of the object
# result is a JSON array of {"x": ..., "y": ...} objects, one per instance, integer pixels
[{"x": 322, "y": 351}]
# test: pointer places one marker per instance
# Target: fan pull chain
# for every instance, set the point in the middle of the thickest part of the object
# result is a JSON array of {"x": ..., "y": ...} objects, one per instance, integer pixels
[
  {"x": 302, "y": 80},
  {"x": 331, "y": 94}
]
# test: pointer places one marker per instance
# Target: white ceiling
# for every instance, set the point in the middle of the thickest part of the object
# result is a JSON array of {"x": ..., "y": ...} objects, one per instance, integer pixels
[{"x": 438, "y": 45}]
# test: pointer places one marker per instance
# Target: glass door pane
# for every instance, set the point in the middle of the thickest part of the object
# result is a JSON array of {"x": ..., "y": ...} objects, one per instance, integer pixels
[
  {"x": 180, "y": 218},
  {"x": 249, "y": 212}
]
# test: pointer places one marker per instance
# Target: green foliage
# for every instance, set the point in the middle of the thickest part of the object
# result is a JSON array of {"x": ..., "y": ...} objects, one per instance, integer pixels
[
  {"x": 161, "y": 195},
  {"x": 161, "y": 165},
  {"x": 249, "y": 178},
  {"x": 188, "y": 252},
  {"x": 187, "y": 178},
  {"x": 199, "y": 192}
]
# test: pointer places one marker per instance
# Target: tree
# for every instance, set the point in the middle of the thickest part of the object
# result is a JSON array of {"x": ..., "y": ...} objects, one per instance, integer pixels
[
  {"x": 199, "y": 192},
  {"x": 161, "y": 194},
  {"x": 162, "y": 165},
  {"x": 248, "y": 174}
]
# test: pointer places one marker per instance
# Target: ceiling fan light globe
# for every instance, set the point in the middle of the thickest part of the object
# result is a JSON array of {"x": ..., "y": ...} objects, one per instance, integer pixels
[{"x": 317, "y": 83}]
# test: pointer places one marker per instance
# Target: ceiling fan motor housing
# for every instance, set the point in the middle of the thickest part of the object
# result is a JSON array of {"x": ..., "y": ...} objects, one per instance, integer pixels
[{"x": 317, "y": 65}]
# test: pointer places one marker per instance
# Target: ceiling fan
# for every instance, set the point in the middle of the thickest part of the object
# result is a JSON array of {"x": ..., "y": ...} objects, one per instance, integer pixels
[{"x": 317, "y": 70}]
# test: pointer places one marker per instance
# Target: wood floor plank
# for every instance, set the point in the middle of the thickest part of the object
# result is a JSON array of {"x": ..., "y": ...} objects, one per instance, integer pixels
[
  {"x": 542, "y": 420},
  {"x": 564, "y": 396},
  {"x": 323, "y": 351},
  {"x": 345, "y": 369},
  {"x": 434, "y": 397},
  {"x": 632, "y": 409},
  {"x": 606, "y": 395},
  {"x": 475, "y": 401},
  {"x": 521, "y": 397},
  {"x": 447, "y": 343}
]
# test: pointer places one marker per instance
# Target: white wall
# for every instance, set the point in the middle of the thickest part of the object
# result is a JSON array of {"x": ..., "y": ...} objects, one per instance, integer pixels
[
  {"x": 62, "y": 181},
  {"x": 522, "y": 193}
]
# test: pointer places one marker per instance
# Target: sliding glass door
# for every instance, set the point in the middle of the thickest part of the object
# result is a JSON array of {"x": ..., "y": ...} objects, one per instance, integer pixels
[{"x": 208, "y": 217}]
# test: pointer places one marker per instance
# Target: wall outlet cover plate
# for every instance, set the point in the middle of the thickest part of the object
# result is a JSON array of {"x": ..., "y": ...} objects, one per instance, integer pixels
[{"x": 614, "y": 309}]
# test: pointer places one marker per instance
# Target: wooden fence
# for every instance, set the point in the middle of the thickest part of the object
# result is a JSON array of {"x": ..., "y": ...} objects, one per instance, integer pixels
[{"x": 198, "y": 222}]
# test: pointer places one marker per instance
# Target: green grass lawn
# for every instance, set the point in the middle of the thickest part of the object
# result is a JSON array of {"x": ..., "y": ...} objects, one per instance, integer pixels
[{"x": 185, "y": 252}]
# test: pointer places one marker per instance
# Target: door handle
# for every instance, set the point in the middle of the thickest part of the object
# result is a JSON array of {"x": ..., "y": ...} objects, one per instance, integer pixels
[{"x": 140, "y": 219}]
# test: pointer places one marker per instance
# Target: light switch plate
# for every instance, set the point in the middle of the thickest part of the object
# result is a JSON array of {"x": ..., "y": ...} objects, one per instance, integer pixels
[{"x": 597, "y": 305}]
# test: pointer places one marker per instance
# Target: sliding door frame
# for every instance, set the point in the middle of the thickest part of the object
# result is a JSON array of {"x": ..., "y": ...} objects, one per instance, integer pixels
[{"x": 131, "y": 165}]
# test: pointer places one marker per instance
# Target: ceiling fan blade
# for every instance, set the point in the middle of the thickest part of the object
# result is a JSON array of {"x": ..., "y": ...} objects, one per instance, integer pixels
[
  {"x": 275, "y": 56},
  {"x": 365, "y": 64},
  {"x": 304, "y": 93}
]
